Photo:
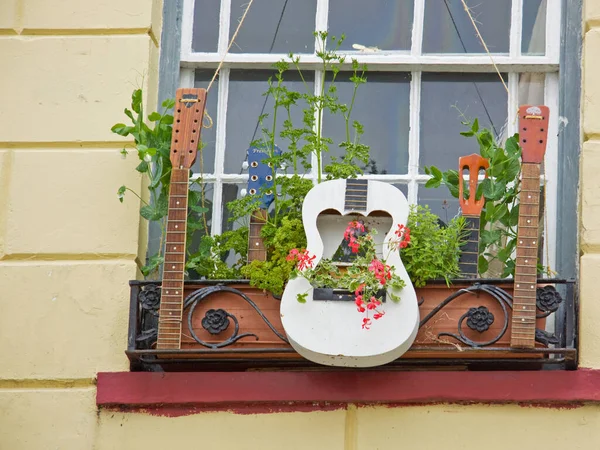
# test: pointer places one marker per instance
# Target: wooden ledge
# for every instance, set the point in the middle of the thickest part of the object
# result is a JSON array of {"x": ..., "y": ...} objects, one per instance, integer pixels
[{"x": 220, "y": 390}]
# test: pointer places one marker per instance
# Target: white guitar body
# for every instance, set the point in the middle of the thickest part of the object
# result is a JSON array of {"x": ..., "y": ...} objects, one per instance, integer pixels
[{"x": 330, "y": 332}]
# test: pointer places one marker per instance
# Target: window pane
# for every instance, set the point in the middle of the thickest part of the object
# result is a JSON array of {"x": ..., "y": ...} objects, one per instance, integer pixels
[
  {"x": 247, "y": 103},
  {"x": 382, "y": 107},
  {"x": 276, "y": 26},
  {"x": 206, "y": 26},
  {"x": 534, "y": 27},
  {"x": 531, "y": 88},
  {"x": 448, "y": 99},
  {"x": 205, "y": 161},
  {"x": 440, "y": 202},
  {"x": 385, "y": 24},
  {"x": 448, "y": 28},
  {"x": 232, "y": 191}
]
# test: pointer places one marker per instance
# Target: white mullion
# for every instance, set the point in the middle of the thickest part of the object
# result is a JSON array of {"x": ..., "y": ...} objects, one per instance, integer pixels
[
  {"x": 516, "y": 29},
  {"x": 220, "y": 151},
  {"x": 224, "y": 23},
  {"x": 414, "y": 135},
  {"x": 512, "y": 105},
  {"x": 551, "y": 87},
  {"x": 417, "y": 30},
  {"x": 187, "y": 29},
  {"x": 321, "y": 17},
  {"x": 553, "y": 23}
]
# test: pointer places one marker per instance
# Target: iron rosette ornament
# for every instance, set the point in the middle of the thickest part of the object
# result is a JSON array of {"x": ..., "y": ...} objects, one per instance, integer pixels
[
  {"x": 548, "y": 299},
  {"x": 479, "y": 319},
  {"x": 215, "y": 321}
]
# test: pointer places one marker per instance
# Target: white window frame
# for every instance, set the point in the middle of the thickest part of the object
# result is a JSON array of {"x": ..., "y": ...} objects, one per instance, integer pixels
[{"x": 514, "y": 63}]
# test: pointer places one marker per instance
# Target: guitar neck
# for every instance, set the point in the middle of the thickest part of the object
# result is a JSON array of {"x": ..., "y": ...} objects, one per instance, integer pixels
[
  {"x": 524, "y": 305},
  {"x": 171, "y": 304},
  {"x": 256, "y": 246},
  {"x": 469, "y": 257}
]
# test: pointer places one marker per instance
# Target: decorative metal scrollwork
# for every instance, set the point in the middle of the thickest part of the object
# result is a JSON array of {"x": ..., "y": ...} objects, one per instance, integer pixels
[{"x": 216, "y": 320}]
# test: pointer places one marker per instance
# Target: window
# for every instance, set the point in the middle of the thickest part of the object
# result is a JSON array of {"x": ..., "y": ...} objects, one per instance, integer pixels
[{"x": 429, "y": 66}]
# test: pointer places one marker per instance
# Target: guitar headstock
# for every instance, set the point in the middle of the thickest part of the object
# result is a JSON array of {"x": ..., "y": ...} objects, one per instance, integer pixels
[
  {"x": 260, "y": 175},
  {"x": 533, "y": 132},
  {"x": 187, "y": 124},
  {"x": 474, "y": 162}
]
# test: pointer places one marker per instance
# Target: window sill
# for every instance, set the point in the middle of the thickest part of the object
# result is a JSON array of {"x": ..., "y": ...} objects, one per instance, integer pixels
[{"x": 184, "y": 393}]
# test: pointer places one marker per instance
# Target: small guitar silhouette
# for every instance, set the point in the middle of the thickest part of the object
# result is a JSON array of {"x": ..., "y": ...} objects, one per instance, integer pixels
[{"x": 329, "y": 332}]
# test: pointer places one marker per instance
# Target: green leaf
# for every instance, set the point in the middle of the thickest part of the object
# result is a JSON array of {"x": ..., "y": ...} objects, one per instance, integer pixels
[
  {"x": 475, "y": 127},
  {"x": 436, "y": 172},
  {"x": 154, "y": 117},
  {"x": 136, "y": 100},
  {"x": 490, "y": 236},
  {"x": 129, "y": 114},
  {"x": 302, "y": 297},
  {"x": 433, "y": 183},
  {"x": 167, "y": 119},
  {"x": 153, "y": 263},
  {"x": 121, "y": 193},
  {"x": 198, "y": 209},
  {"x": 168, "y": 103},
  {"x": 121, "y": 129},
  {"x": 142, "y": 167},
  {"x": 483, "y": 264},
  {"x": 514, "y": 216},
  {"x": 512, "y": 145}
]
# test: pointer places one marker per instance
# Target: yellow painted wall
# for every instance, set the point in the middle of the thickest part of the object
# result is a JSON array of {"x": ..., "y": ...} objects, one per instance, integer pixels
[{"x": 68, "y": 248}]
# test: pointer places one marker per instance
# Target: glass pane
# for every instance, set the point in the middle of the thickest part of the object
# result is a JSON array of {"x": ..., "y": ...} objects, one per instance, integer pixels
[
  {"x": 385, "y": 24},
  {"x": 531, "y": 88},
  {"x": 206, "y": 26},
  {"x": 382, "y": 107},
  {"x": 247, "y": 103},
  {"x": 448, "y": 28},
  {"x": 276, "y": 26},
  {"x": 205, "y": 161},
  {"x": 448, "y": 99},
  {"x": 534, "y": 27},
  {"x": 440, "y": 202},
  {"x": 232, "y": 191},
  {"x": 403, "y": 188}
]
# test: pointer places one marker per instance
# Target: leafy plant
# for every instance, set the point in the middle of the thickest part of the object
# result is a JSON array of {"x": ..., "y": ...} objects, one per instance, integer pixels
[
  {"x": 434, "y": 250},
  {"x": 152, "y": 145},
  {"x": 499, "y": 219}
]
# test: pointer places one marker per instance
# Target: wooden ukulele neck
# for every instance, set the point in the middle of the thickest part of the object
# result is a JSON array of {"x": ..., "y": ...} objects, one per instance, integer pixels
[
  {"x": 189, "y": 110},
  {"x": 471, "y": 208},
  {"x": 533, "y": 132},
  {"x": 256, "y": 246}
]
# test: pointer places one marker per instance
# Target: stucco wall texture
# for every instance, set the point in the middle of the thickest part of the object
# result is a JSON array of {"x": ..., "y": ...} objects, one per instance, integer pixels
[{"x": 68, "y": 249}]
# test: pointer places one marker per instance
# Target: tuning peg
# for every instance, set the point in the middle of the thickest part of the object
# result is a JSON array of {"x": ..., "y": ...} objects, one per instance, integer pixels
[
  {"x": 243, "y": 192},
  {"x": 245, "y": 165}
]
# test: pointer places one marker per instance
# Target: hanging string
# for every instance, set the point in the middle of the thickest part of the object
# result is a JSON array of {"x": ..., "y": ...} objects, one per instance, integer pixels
[
  {"x": 230, "y": 44},
  {"x": 209, "y": 122},
  {"x": 484, "y": 44}
]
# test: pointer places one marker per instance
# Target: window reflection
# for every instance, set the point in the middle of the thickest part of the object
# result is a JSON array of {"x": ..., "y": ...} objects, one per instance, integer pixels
[
  {"x": 382, "y": 106},
  {"x": 275, "y": 26},
  {"x": 206, "y": 26},
  {"x": 385, "y": 24},
  {"x": 448, "y": 28},
  {"x": 448, "y": 99},
  {"x": 440, "y": 202},
  {"x": 205, "y": 160},
  {"x": 247, "y": 102},
  {"x": 533, "y": 40}
]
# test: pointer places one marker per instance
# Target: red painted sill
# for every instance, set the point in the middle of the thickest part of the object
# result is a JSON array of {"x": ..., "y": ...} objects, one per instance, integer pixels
[{"x": 217, "y": 390}]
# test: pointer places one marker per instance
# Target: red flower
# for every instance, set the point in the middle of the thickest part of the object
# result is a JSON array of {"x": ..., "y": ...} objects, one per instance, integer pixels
[
  {"x": 366, "y": 323},
  {"x": 378, "y": 315},
  {"x": 292, "y": 255},
  {"x": 404, "y": 234},
  {"x": 354, "y": 245},
  {"x": 371, "y": 305},
  {"x": 359, "y": 289},
  {"x": 304, "y": 260}
]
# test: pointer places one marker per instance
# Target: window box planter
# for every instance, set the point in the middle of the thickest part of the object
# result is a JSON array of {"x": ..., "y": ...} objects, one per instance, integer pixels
[{"x": 230, "y": 324}]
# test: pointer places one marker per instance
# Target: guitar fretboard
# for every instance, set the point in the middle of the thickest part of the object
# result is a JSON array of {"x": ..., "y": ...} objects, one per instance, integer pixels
[
  {"x": 171, "y": 303},
  {"x": 524, "y": 305},
  {"x": 356, "y": 195},
  {"x": 470, "y": 249},
  {"x": 256, "y": 246}
]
